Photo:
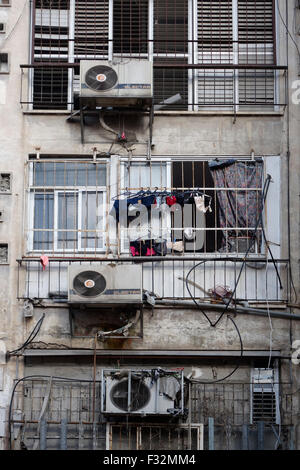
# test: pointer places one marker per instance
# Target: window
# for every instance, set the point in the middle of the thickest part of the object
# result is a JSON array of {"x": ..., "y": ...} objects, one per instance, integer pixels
[
  {"x": 67, "y": 206},
  {"x": 217, "y": 205},
  {"x": 190, "y": 40},
  {"x": 2, "y": 28},
  {"x": 5, "y": 3},
  {"x": 3, "y": 253},
  {"x": 5, "y": 183},
  {"x": 4, "y": 64}
]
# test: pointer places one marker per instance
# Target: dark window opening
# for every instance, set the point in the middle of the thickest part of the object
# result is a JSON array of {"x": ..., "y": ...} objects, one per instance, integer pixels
[
  {"x": 130, "y": 27},
  {"x": 191, "y": 175}
]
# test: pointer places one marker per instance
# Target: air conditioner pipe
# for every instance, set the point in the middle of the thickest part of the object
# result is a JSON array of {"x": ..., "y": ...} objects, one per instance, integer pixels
[
  {"x": 220, "y": 307},
  {"x": 172, "y": 100}
]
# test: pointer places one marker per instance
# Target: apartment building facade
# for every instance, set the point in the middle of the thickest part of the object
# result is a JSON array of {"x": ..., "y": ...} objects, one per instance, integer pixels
[{"x": 149, "y": 224}]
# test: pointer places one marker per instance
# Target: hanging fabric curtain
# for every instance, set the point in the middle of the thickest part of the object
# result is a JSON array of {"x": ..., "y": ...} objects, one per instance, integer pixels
[{"x": 240, "y": 202}]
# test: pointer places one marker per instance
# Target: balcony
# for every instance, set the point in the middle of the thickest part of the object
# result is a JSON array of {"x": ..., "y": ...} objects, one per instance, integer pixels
[
  {"x": 178, "y": 86},
  {"x": 259, "y": 281}
]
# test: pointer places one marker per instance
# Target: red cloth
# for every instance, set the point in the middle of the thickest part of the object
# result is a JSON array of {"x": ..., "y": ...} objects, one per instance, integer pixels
[
  {"x": 171, "y": 200},
  {"x": 44, "y": 261}
]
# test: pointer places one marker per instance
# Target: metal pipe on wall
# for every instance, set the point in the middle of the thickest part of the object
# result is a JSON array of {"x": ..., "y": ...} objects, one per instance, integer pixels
[{"x": 236, "y": 309}]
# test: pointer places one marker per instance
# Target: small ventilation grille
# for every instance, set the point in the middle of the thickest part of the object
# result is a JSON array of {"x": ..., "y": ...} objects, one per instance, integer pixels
[{"x": 264, "y": 406}]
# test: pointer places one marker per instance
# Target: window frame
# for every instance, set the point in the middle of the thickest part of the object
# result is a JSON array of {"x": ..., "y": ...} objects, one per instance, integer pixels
[
  {"x": 56, "y": 190},
  {"x": 271, "y": 213}
]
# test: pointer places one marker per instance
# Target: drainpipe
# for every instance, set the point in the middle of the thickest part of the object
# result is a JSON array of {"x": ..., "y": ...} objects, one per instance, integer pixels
[{"x": 220, "y": 307}]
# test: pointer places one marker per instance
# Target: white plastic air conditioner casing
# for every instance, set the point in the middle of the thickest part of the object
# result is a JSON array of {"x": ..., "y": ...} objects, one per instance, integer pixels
[
  {"x": 123, "y": 285},
  {"x": 134, "y": 85},
  {"x": 158, "y": 403}
]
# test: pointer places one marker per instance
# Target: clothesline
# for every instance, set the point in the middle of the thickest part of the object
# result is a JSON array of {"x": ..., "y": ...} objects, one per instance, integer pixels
[{"x": 140, "y": 192}]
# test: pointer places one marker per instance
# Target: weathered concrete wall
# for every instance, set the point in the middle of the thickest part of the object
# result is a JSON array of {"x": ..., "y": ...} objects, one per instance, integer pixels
[
  {"x": 174, "y": 134},
  {"x": 173, "y": 328}
]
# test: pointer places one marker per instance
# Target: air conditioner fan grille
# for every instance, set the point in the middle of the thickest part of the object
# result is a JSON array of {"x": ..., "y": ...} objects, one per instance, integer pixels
[
  {"x": 101, "y": 78},
  {"x": 139, "y": 396},
  {"x": 89, "y": 283}
]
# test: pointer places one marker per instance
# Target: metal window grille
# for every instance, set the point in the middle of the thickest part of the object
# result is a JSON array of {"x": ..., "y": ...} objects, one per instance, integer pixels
[
  {"x": 64, "y": 222},
  {"x": 206, "y": 235},
  {"x": 67, "y": 206},
  {"x": 265, "y": 396},
  {"x": 183, "y": 39},
  {"x": 72, "y": 410}
]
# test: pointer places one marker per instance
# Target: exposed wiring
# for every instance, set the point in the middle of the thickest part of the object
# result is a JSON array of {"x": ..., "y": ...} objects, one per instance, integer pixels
[
  {"x": 264, "y": 194},
  {"x": 270, "y": 320},
  {"x": 38, "y": 377},
  {"x": 14, "y": 26},
  {"x": 236, "y": 367},
  {"x": 287, "y": 28},
  {"x": 31, "y": 337}
]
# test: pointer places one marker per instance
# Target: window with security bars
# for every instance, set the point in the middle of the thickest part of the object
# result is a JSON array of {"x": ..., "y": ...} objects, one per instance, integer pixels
[
  {"x": 204, "y": 52},
  {"x": 67, "y": 202},
  {"x": 196, "y": 206}
]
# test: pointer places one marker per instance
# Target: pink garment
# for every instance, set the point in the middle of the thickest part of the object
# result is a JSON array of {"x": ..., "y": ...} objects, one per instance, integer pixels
[
  {"x": 44, "y": 261},
  {"x": 150, "y": 252},
  {"x": 134, "y": 252}
]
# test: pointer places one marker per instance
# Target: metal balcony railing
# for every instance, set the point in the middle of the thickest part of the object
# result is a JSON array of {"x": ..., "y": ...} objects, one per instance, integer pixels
[
  {"x": 258, "y": 281},
  {"x": 53, "y": 85},
  {"x": 72, "y": 419}
]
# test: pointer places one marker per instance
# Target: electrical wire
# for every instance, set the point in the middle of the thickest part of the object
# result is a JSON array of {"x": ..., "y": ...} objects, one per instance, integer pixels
[
  {"x": 263, "y": 199},
  {"x": 30, "y": 377},
  {"x": 264, "y": 193},
  {"x": 14, "y": 26},
  {"x": 31, "y": 337},
  {"x": 286, "y": 27},
  {"x": 270, "y": 320},
  {"x": 236, "y": 367}
]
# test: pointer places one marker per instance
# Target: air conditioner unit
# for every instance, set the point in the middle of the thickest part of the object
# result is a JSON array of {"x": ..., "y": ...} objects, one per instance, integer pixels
[
  {"x": 121, "y": 284},
  {"x": 126, "y": 83},
  {"x": 140, "y": 392}
]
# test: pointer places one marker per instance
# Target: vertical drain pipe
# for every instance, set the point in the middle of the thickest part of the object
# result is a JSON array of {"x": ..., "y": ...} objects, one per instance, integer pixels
[
  {"x": 63, "y": 434},
  {"x": 260, "y": 435},
  {"x": 211, "y": 434}
]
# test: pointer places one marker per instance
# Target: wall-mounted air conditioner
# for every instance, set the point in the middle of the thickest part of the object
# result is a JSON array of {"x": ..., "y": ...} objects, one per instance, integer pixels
[
  {"x": 142, "y": 392},
  {"x": 120, "y": 284},
  {"x": 124, "y": 83}
]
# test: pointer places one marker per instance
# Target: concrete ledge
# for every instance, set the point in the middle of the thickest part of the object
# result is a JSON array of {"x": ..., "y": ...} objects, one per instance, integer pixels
[
  {"x": 173, "y": 113},
  {"x": 138, "y": 353}
]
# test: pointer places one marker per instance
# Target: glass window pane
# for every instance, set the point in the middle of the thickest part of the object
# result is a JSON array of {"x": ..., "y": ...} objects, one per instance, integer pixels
[
  {"x": 92, "y": 223},
  {"x": 43, "y": 221},
  {"x": 43, "y": 174},
  {"x": 142, "y": 175},
  {"x": 67, "y": 220}
]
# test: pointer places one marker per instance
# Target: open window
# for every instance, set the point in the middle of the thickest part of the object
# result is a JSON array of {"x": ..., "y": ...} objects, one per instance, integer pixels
[{"x": 211, "y": 206}]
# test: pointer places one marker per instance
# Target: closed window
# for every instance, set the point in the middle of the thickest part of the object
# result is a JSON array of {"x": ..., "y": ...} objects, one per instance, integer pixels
[{"x": 67, "y": 206}]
